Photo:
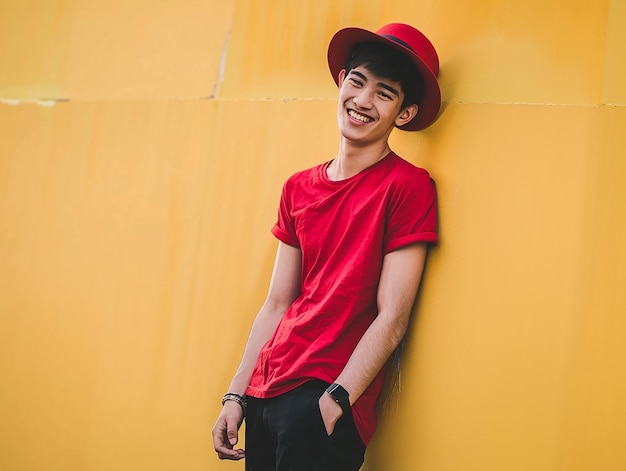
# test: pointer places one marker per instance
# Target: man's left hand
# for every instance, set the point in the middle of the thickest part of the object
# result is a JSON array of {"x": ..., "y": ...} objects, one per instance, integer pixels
[{"x": 331, "y": 412}]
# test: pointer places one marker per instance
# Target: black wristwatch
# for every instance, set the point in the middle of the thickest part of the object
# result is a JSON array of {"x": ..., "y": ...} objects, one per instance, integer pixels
[{"x": 340, "y": 395}]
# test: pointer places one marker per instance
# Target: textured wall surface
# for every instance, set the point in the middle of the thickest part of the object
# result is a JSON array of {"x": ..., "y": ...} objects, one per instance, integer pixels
[{"x": 143, "y": 146}]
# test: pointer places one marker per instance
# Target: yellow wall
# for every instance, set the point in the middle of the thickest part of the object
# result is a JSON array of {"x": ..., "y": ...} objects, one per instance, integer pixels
[{"x": 143, "y": 145}]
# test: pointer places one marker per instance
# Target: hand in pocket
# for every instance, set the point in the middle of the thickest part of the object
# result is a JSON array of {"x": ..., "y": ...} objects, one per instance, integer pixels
[{"x": 330, "y": 411}]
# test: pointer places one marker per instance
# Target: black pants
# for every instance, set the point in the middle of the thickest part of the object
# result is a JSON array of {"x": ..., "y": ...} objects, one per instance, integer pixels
[{"x": 287, "y": 433}]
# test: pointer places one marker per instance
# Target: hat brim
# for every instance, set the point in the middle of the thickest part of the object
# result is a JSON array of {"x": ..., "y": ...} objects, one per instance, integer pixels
[{"x": 430, "y": 103}]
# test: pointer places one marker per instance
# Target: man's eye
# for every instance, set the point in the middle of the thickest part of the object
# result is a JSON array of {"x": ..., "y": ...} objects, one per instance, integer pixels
[
  {"x": 386, "y": 96},
  {"x": 356, "y": 82}
]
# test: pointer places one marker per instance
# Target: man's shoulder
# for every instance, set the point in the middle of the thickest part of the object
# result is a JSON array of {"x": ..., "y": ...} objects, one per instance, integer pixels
[
  {"x": 404, "y": 170},
  {"x": 307, "y": 174}
]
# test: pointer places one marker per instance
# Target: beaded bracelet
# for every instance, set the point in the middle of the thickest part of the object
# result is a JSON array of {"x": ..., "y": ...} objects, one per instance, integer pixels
[{"x": 238, "y": 399}]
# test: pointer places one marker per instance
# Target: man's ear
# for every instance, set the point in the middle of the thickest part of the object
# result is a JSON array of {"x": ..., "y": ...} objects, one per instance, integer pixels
[
  {"x": 341, "y": 77},
  {"x": 406, "y": 115}
]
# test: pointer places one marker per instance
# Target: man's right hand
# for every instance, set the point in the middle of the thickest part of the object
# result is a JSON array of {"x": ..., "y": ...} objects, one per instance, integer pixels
[{"x": 226, "y": 432}]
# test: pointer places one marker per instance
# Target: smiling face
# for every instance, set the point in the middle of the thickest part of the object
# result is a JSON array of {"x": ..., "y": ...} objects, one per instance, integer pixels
[{"x": 370, "y": 106}]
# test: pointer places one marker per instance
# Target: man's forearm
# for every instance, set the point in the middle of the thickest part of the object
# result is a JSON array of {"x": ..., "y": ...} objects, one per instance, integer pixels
[
  {"x": 399, "y": 281},
  {"x": 284, "y": 289},
  {"x": 370, "y": 354},
  {"x": 262, "y": 330}
]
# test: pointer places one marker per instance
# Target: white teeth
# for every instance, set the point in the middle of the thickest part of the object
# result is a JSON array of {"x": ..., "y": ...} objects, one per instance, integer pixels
[{"x": 359, "y": 117}]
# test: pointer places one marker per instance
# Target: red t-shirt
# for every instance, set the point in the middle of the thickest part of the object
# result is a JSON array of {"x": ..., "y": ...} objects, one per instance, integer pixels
[{"x": 344, "y": 229}]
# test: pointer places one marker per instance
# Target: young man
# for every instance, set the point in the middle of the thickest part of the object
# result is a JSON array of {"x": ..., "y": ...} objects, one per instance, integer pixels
[{"x": 353, "y": 236}]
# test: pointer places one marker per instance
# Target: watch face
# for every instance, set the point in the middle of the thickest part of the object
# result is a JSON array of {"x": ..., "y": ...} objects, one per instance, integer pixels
[{"x": 338, "y": 392}]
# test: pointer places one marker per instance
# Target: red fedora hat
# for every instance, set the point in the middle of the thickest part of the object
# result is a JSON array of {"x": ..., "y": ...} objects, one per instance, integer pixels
[{"x": 414, "y": 44}]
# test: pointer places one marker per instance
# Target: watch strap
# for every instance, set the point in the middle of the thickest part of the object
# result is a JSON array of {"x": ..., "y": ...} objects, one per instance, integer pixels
[{"x": 340, "y": 395}]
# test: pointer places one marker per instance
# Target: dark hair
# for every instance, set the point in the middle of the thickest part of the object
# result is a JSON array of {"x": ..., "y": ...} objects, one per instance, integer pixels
[{"x": 390, "y": 63}]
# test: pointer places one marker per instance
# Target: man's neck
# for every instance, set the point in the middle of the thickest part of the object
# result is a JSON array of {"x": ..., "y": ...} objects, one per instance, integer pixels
[{"x": 353, "y": 159}]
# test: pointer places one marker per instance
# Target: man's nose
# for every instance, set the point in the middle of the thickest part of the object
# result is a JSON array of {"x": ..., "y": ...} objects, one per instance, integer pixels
[{"x": 363, "y": 99}]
